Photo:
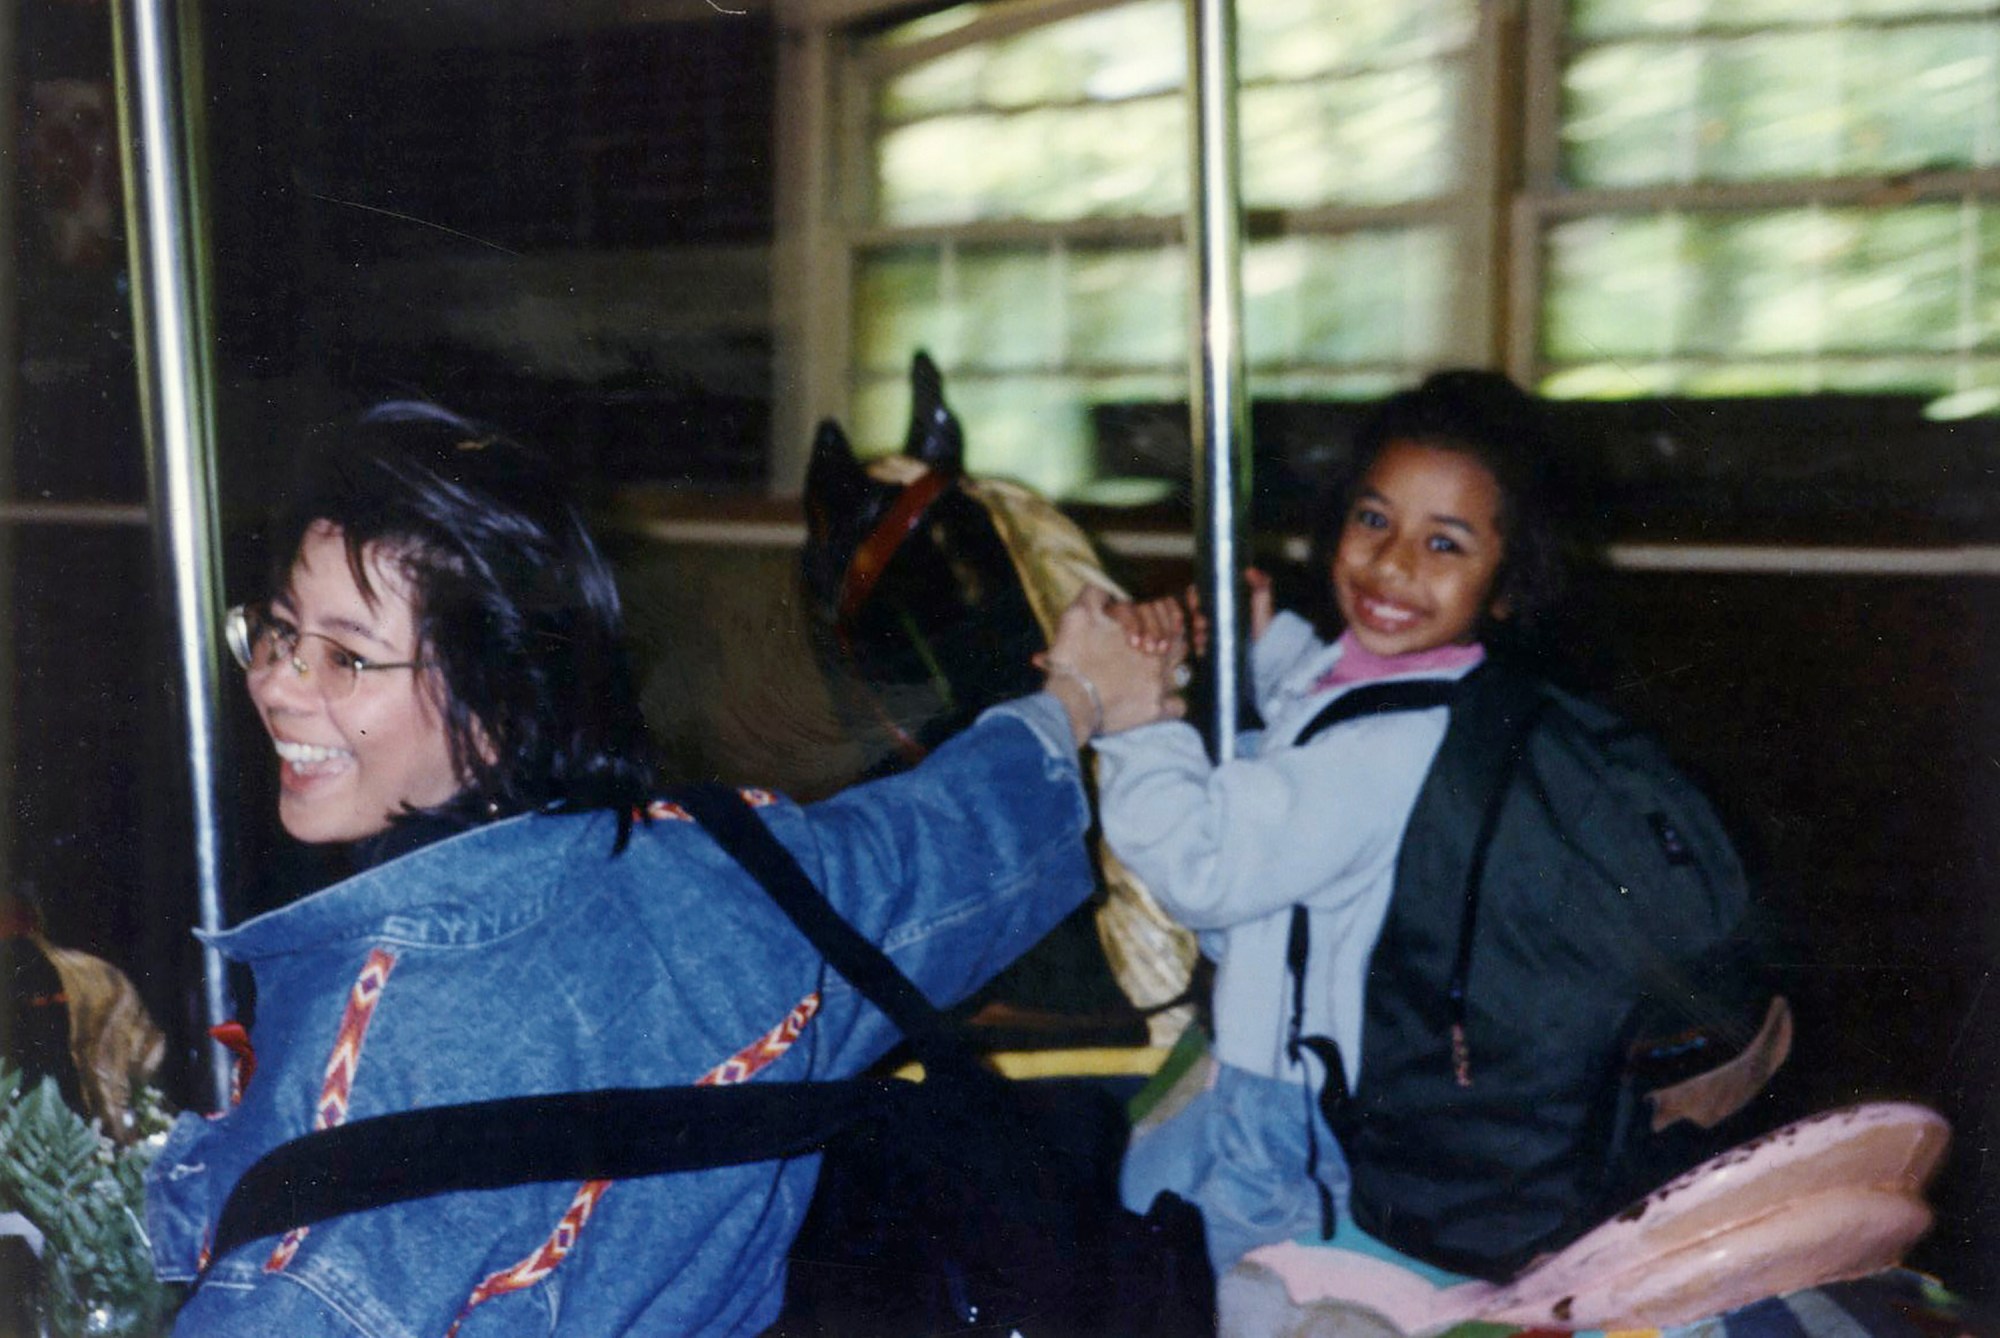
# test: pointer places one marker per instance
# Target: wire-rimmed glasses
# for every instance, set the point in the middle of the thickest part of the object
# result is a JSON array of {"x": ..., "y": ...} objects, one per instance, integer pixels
[{"x": 261, "y": 642}]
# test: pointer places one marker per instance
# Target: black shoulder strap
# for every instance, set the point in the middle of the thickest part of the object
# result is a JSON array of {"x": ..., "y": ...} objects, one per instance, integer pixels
[
  {"x": 1494, "y": 709},
  {"x": 1483, "y": 747},
  {"x": 736, "y": 827},
  {"x": 1411, "y": 694},
  {"x": 1369, "y": 699},
  {"x": 601, "y": 1135}
]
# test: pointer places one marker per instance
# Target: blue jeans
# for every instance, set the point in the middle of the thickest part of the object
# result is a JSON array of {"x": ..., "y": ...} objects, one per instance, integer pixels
[{"x": 1239, "y": 1153}]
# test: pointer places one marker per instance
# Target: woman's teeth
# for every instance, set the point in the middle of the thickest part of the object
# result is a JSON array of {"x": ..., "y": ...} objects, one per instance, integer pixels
[{"x": 305, "y": 754}]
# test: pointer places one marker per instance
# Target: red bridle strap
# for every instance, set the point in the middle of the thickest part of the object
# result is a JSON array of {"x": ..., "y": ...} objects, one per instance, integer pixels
[
  {"x": 865, "y": 568},
  {"x": 871, "y": 558}
]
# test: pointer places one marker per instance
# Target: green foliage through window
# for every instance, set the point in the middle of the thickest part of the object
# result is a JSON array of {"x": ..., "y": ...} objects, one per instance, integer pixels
[{"x": 1744, "y": 227}]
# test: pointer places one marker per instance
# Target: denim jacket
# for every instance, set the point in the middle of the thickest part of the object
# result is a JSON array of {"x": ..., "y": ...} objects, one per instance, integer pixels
[{"x": 525, "y": 957}]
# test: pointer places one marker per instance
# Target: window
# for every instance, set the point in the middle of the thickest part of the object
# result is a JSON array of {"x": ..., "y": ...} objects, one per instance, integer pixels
[
  {"x": 1774, "y": 198},
  {"x": 1614, "y": 199},
  {"x": 1024, "y": 213}
]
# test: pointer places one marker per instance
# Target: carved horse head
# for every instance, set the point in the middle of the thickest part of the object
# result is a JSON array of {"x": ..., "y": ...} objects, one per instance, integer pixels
[{"x": 930, "y": 590}]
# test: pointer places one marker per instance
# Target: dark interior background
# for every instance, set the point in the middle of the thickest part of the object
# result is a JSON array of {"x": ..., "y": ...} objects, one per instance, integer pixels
[{"x": 406, "y": 209}]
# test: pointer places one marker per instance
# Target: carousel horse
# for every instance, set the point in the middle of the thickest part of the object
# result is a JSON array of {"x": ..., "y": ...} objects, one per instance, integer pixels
[
  {"x": 931, "y": 589},
  {"x": 1780, "y": 1222}
]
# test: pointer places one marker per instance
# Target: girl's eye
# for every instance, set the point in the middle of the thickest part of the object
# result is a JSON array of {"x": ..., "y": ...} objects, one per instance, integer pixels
[
  {"x": 1444, "y": 543},
  {"x": 341, "y": 658},
  {"x": 1369, "y": 518}
]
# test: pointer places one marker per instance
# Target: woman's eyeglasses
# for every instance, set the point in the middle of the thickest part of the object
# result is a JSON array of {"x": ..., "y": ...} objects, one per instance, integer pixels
[{"x": 261, "y": 643}]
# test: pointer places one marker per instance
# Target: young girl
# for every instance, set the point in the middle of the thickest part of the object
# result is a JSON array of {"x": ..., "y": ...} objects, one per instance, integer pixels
[{"x": 1442, "y": 539}]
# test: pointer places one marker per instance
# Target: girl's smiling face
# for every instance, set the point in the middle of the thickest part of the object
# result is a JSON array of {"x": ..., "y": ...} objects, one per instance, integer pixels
[
  {"x": 1420, "y": 550},
  {"x": 348, "y": 763}
]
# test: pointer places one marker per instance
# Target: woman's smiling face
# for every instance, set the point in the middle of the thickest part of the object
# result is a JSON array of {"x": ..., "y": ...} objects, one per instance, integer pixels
[
  {"x": 348, "y": 763},
  {"x": 1420, "y": 550}
]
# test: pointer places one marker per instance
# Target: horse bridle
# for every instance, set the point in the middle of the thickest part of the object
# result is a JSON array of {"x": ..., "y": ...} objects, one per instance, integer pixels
[
  {"x": 864, "y": 570},
  {"x": 872, "y": 554}
]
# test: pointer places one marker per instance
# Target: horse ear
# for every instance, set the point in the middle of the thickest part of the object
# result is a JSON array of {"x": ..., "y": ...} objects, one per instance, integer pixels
[
  {"x": 835, "y": 480},
  {"x": 839, "y": 499},
  {"x": 935, "y": 436}
]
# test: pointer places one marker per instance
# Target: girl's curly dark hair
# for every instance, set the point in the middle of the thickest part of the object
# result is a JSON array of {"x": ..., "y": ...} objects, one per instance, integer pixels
[{"x": 514, "y": 604}]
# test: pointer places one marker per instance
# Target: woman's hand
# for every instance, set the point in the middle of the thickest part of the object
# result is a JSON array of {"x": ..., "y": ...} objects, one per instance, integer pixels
[
  {"x": 1154, "y": 624},
  {"x": 1105, "y": 682}
]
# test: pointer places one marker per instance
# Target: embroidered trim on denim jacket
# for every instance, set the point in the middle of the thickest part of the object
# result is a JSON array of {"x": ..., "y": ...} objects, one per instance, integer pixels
[
  {"x": 340, "y": 1066},
  {"x": 739, "y": 1067}
]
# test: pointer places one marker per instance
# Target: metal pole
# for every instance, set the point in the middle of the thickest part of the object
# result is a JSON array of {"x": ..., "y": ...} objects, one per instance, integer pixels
[
  {"x": 156, "y": 43},
  {"x": 1219, "y": 409},
  {"x": 13, "y": 78}
]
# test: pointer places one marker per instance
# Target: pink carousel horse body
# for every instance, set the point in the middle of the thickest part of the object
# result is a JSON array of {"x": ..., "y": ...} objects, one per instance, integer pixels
[{"x": 1835, "y": 1196}]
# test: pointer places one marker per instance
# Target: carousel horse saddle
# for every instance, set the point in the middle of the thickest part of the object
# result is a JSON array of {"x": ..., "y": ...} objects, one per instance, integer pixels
[{"x": 1832, "y": 1197}]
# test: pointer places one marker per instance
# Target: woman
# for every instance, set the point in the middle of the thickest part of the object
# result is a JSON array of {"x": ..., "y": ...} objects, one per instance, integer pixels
[{"x": 441, "y": 676}]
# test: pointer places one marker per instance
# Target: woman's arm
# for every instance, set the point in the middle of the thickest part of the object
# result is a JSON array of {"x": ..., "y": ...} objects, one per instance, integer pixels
[{"x": 963, "y": 863}]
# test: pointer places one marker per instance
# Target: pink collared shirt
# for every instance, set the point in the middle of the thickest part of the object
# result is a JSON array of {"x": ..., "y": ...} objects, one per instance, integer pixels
[{"x": 1358, "y": 664}]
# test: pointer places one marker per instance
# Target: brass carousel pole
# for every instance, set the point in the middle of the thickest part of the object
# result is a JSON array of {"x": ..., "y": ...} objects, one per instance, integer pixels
[
  {"x": 1220, "y": 424},
  {"x": 157, "y": 44}
]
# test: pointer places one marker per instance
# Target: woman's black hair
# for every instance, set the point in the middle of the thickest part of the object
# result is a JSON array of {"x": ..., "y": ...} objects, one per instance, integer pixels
[
  {"x": 515, "y": 607},
  {"x": 1484, "y": 415}
]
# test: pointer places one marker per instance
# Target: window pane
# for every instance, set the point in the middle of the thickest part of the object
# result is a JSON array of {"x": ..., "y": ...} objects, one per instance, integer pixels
[
  {"x": 1344, "y": 102},
  {"x": 878, "y": 414},
  {"x": 1647, "y": 112},
  {"x": 1923, "y": 98},
  {"x": 937, "y": 87},
  {"x": 1367, "y": 298},
  {"x": 1371, "y": 139},
  {"x": 1768, "y": 289},
  {"x": 943, "y": 22},
  {"x": 1304, "y": 39},
  {"x": 1628, "y": 114},
  {"x": 1037, "y": 430},
  {"x": 898, "y": 308},
  {"x": 1011, "y": 311},
  {"x": 1051, "y": 164},
  {"x": 1118, "y": 53},
  {"x": 1033, "y": 429},
  {"x": 1893, "y": 280},
  {"x": 1114, "y": 54},
  {"x": 1128, "y": 308},
  {"x": 1985, "y": 298},
  {"x": 1614, "y": 288},
  {"x": 1619, "y": 18},
  {"x": 1127, "y": 159},
  {"x": 1813, "y": 102}
]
